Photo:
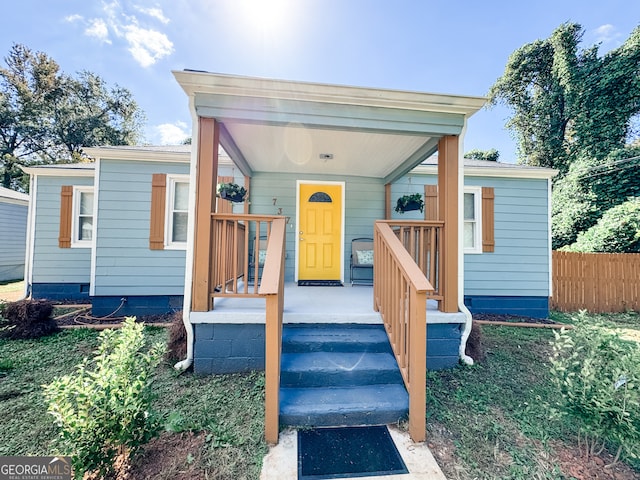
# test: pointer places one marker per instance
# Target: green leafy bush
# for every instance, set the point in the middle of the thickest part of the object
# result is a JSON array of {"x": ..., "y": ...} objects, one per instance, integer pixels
[
  {"x": 103, "y": 409},
  {"x": 598, "y": 376},
  {"x": 589, "y": 189},
  {"x": 618, "y": 231}
]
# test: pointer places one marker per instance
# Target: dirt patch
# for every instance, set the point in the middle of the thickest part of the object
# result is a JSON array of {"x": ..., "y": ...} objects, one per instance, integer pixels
[
  {"x": 170, "y": 456},
  {"x": 573, "y": 464}
]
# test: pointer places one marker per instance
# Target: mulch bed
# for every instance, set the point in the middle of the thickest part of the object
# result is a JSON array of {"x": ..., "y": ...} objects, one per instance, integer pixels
[
  {"x": 492, "y": 317},
  {"x": 81, "y": 317}
]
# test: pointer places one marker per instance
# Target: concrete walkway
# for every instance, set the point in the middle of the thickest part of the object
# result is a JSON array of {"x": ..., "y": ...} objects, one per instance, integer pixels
[{"x": 281, "y": 463}]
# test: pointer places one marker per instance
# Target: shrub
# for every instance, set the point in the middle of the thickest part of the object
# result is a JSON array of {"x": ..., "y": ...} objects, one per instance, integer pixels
[
  {"x": 103, "y": 409},
  {"x": 597, "y": 373},
  {"x": 617, "y": 231},
  {"x": 27, "y": 319}
]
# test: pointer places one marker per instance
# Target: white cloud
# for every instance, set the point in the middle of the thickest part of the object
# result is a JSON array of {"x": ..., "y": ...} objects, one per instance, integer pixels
[
  {"x": 98, "y": 28},
  {"x": 154, "y": 12},
  {"x": 147, "y": 46},
  {"x": 172, "y": 133},
  {"x": 606, "y": 33},
  {"x": 73, "y": 18}
]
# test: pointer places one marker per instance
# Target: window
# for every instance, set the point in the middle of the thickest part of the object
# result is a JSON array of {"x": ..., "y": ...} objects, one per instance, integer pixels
[
  {"x": 82, "y": 218},
  {"x": 472, "y": 220},
  {"x": 177, "y": 211}
]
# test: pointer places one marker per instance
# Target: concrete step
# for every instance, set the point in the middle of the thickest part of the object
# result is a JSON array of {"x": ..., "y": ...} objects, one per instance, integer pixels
[
  {"x": 343, "y": 406},
  {"x": 334, "y": 338},
  {"x": 333, "y": 369}
]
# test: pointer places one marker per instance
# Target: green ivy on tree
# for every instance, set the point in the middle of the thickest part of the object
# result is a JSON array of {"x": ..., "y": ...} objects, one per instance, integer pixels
[
  {"x": 617, "y": 231},
  {"x": 589, "y": 189},
  {"x": 567, "y": 101}
]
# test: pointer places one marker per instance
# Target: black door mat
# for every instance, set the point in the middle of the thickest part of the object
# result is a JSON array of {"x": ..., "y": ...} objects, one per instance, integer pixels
[
  {"x": 345, "y": 452},
  {"x": 320, "y": 283}
]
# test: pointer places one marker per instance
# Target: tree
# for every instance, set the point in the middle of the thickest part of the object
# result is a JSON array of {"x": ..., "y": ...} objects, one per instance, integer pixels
[
  {"x": 47, "y": 116},
  {"x": 617, "y": 231},
  {"x": 488, "y": 155},
  {"x": 568, "y": 101},
  {"x": 589, "y": 189}
]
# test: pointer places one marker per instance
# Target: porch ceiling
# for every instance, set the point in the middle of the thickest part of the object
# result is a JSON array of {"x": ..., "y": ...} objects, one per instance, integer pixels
[
  {"x": 302, "y": 149},
  {"x": 281, "y": 126}
]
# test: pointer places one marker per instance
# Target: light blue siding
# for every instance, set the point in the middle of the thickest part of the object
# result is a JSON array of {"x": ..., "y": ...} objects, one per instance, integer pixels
[
  {"x": 13, "y": 232},
  {"x": 519, "y": 266},
  {"x": 124, "y": 263},
  {"x": 364, "y": 203},
  {"x": 52, "y": 264}
]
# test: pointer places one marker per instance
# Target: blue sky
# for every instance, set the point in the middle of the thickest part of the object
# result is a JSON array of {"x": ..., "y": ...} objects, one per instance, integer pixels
[{"x": 437, "y": 46}]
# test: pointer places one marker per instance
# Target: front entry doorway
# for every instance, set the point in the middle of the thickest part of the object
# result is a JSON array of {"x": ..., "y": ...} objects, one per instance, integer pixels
[{"x": 320, "y": 231}]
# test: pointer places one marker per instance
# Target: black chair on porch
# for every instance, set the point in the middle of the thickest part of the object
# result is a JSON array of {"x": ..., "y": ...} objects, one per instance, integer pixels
[{"x": 362, "y": 261}]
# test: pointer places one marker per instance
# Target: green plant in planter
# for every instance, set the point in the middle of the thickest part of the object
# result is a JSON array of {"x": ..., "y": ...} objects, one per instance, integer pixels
[
  {"x": 407, "y": 203},
  {"x": 232, "y": 192}
]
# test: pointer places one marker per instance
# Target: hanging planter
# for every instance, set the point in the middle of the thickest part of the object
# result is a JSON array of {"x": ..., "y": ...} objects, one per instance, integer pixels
[
  {"x": 407, "y": 203},
  {"x": 232, "y": 192}
]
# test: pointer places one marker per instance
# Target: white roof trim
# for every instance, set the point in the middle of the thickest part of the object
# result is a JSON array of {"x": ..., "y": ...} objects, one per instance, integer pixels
[
  {"x": 143, "y": 154},
  {"x": 11, "y": 196},
  {"x": 193, "y": 82},
  {"x": 60, "y": 171},
  {"x": 515, "y": 171},
  {"x": 139, "y": 155}
]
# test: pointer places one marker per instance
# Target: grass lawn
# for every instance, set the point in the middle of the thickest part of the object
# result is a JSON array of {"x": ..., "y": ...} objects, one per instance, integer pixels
[
  {"x": 492, "y": 420},
  {"x": 224, "y": 412},
  {"x": 489, "y": 421}
]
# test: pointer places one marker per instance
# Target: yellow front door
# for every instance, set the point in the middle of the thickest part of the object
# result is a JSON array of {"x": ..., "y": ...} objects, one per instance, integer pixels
[{"x": 320, "y": 232}]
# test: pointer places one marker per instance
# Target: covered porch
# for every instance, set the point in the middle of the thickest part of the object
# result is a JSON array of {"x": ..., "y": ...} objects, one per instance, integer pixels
[{"x": 282, "y": 135}]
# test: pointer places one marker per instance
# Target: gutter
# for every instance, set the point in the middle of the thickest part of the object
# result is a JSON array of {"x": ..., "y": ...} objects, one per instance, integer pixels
[
  {"x": 188, "y": 271},
  {"x": 31, "y": 232},
  {"x": 467, "y": 360}
]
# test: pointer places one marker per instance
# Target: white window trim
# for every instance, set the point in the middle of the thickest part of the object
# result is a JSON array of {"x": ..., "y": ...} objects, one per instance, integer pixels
[
  {"x": 169, "y": 244},
  {"x": 477, "y": 208},
  {"x": 75, "y": 215}
]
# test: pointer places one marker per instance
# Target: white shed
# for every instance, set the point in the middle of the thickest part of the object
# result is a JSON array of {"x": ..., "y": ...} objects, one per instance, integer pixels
[{"x": 14, "y": 207}]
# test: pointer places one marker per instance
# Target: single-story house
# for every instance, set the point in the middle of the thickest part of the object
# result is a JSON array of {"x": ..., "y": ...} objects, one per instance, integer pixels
[
  {"x": 14, "y": 207},
  {"x": 142, "y": 230}
]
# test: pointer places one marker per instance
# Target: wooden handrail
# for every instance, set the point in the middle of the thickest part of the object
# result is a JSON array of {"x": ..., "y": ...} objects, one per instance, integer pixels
[
  {"x": 274, "y": 262},
  {"x": 231, "y": 270},
  {"x": 272, "y": 288},
  {"x": 400, "y": 295},
  {"x": 230, "y": 273},
  {"x": 424, "y": 241}
]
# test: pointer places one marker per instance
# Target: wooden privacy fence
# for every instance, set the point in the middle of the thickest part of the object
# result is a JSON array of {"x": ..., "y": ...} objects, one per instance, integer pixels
[{"x": 598, "y": 282}]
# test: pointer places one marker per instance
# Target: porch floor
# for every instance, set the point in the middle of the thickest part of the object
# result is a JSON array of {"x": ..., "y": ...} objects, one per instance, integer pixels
[{"x": 347, "y": 304}]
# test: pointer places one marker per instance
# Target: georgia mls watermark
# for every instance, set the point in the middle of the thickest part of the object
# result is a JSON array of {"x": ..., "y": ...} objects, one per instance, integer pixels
[{"x": 35, "y": 468}]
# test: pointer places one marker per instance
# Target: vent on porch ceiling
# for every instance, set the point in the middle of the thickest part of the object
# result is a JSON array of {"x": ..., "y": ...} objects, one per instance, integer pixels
[{"x": 326, "y": 156}]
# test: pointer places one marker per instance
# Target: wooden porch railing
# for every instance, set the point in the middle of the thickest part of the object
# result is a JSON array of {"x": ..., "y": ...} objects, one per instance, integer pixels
[
  {"x": 400, "y": 295},
  {"x": 423, "y": 241},
  {"x": 236, "y": 264},
  {"x": 272, "y": 288},
  {"x": 238, "y": 269}
]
